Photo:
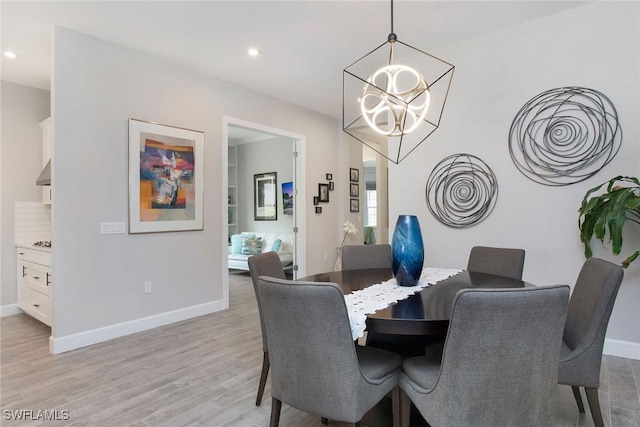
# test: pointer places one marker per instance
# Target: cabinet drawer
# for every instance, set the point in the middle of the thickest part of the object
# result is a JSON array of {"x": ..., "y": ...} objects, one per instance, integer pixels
[
  {"x": 38, "y": 306},
  {"x": 39, "y": 278},
  {"x": 31, "y": 255}
]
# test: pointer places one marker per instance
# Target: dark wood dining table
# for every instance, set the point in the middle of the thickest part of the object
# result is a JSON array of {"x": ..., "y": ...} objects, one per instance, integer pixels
[
  {"x": 425, "y": 313},
  {"x": 422, "y": 318}
]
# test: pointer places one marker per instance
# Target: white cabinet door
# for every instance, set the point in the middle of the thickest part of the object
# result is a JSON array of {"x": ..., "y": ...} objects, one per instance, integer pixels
[
  {"x": 23, "y": 284},
  {"x": 34, "y": 284}
]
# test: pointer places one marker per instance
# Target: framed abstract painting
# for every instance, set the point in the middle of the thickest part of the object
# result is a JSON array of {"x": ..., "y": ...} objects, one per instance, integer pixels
[{"x": 165, "y": 178}]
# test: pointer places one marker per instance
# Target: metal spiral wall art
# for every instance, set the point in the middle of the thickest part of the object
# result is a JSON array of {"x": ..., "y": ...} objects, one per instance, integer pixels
[
  {"x": 461, "y": 191},
  {"x": 564, "y": 136}
]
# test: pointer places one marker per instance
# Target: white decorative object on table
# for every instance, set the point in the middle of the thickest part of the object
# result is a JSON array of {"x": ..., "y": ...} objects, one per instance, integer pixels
[{"x": 376, "y": 297}]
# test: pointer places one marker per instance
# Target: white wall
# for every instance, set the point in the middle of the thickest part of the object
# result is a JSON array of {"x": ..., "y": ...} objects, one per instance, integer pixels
[
  {"x": 22, "y": 109},
  {"x": 97, "y": 86},
  {"x": 596, "y": 46},
  {"x": 273, "y": 155}
]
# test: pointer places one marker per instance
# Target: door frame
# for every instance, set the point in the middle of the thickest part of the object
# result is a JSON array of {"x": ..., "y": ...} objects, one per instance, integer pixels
[{"x": 300, "y": 201}]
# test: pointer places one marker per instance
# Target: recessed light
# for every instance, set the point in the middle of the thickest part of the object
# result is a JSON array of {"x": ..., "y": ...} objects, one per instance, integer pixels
[
  {"x": 253, "y": 52},
  {"x": 10, "y": 54}
]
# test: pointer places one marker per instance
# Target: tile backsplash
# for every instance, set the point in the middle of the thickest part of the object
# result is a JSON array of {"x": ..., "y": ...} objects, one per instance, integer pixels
[{"x": 32, "y": 222}]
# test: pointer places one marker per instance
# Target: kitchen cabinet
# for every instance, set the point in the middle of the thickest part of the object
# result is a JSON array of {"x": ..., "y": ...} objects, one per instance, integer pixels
[
  {"x": 34, "y": 282},
  {"x": 47, "y": 147}
]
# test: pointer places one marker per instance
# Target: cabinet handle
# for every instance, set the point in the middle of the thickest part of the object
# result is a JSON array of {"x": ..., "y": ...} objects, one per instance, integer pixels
[
  {"x": 24, "y": 270},
  {"x": 36, "y": 277},
  {"x": 20, "y": 253},
  {"x": 48, "y": 282},
  {"x": 36, "y": 305}
]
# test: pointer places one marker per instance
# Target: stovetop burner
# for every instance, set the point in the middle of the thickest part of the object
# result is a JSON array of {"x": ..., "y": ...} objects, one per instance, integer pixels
[{"x": 43, "y": 243}]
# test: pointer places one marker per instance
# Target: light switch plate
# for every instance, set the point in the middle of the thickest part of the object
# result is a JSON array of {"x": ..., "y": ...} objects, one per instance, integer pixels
[{"x": 112, "y": 228}]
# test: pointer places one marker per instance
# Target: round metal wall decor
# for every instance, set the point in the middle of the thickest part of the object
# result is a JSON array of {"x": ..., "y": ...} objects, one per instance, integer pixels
[
  {"x": 564, "y": 135},
  {"x": 461, "y": 191}
]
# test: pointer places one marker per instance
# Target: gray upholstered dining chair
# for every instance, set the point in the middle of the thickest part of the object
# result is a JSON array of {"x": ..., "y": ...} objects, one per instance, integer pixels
[
  {"x": 500, "y": 261},
  {"x": 358, "y": 257},
  {"x": 500, "y": 361},
  {"x": 315, "y": 366},
  {"x": 265, "y": 264},
  {"x": 588, "y": 316}
]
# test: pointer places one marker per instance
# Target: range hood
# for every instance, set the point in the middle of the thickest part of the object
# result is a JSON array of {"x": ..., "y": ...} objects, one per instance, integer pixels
[{"x": 45, "y": 176}]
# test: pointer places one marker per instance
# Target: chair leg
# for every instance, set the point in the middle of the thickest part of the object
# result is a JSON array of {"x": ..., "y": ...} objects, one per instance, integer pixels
[
  {"x": 594, "y": 405},
  {"x": 405, "y": 409},
  {"x": 395, "y": 406},
  {"x": 263, "y": 377},
  {"x": 324, "y": 420},
  {"x": 576, "y": 394},
  {"x": 276, "y": 405}
]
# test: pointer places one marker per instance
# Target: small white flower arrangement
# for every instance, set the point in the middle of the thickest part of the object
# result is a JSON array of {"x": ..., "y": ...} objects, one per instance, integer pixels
[{"x": 349, "y": 228}]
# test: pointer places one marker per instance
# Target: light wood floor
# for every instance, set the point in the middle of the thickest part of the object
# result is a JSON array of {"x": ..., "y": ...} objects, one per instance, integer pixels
[{"x": 200, "y": 372}]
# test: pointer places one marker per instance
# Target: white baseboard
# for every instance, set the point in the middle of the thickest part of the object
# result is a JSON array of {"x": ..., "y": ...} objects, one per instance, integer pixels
[
  {"x": 10, "y": 310},
  {"x": 94, "y": 336},
  {"x": 628, "y": 349}
]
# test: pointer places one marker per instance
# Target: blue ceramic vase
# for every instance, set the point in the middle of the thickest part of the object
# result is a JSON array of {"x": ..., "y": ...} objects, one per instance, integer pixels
[{"x": 407, "y": 251}]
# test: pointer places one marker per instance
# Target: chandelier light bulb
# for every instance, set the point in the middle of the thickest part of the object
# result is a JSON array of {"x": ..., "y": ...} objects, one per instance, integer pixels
[{"x": 397, "y": 94}]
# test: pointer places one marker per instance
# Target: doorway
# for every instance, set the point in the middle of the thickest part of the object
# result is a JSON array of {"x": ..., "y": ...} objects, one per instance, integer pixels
[
  {"x": 253, "y": 149},
  {"x": 376, "y": 205}
]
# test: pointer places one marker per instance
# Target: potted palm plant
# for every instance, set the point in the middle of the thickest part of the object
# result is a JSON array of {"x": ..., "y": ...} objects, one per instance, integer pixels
[{"x": 608, "y": 212}]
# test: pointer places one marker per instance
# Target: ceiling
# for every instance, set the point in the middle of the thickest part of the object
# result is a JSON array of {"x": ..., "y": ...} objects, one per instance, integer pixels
[{"x": 304, "y": 45}]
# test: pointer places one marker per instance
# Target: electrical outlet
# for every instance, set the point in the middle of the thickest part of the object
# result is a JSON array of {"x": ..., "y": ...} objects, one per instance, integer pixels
[{"x": 147, "y": 287}]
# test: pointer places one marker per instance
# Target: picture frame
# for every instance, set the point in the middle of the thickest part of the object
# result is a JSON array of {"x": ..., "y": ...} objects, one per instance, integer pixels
[
  {"x": 323, "y": 192},
  {"x": 354, "y": 190},
  {"x": 318, "y": 209},
  {"x": 354, "y": 175},
  {"x": 316, "y": 200},
  {"x": 265, "y": 192},
  {"x": 329, "y": 177},
  {"x": 165, "y": 178},
  {"x": 354, "y": 205},
  {"x": 287, "y": 198},
  {"x": 331, "y": 186}
]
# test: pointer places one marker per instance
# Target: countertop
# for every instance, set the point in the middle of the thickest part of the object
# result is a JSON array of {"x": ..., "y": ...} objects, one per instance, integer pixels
[{"x": 35, "y": 248}]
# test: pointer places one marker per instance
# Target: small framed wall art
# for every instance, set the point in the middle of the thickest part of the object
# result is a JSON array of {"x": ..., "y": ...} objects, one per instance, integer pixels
[
  {"x": 354, "y": 190},
  {"x": 165, "y": 178},
  {"x": 331, "y": 186},
  {"x": 287, "y": 198},
  {"x": 316, "y": 200},
  {"x": 354, "y": 175},
  {"x": 329, "y": 177},
  {"x": 354, "y": 206},
  {"x": 323, "y": 192},
  {"x": 318, "y": 209}
]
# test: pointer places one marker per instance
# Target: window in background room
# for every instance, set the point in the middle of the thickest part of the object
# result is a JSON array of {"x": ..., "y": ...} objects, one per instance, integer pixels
[{"x": 372, "y": 209}]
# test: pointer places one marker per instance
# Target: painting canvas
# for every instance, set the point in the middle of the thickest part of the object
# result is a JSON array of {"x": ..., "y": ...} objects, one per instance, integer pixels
[
  {"x": 165, "y": 178},
  {"x": 287, "y": 198},
  {"x": 265, "y": 191}
]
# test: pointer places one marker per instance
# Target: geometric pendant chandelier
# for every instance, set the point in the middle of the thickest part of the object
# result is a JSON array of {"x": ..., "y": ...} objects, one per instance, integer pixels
[{"x": 393, "y": 97}]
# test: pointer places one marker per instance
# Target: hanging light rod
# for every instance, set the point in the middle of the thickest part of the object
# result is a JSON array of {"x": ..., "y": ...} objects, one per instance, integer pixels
[{"x": 396, "y": 99}]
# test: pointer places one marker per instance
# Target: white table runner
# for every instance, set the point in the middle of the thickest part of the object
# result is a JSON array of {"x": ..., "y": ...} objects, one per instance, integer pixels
[{"x": 376, "y": 297}]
